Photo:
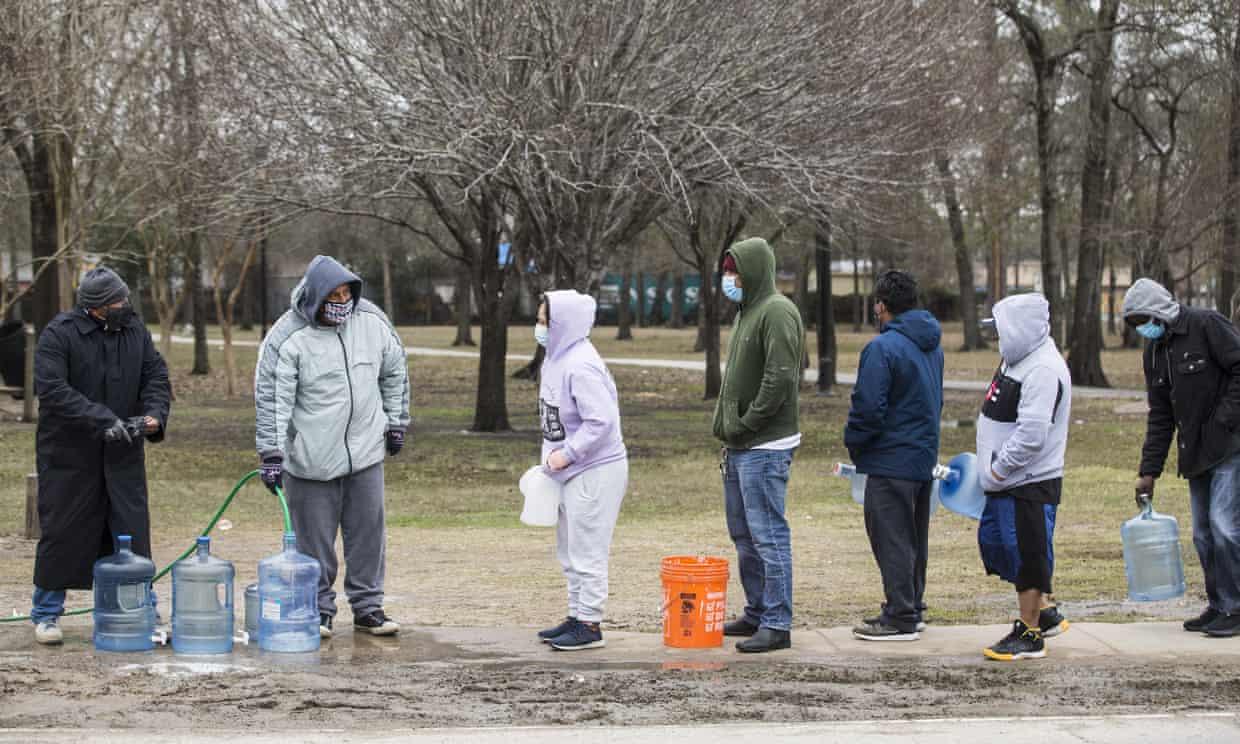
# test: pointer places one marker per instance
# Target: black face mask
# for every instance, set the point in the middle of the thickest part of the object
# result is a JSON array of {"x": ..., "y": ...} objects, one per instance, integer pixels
[{"x": 118, "y": 318}]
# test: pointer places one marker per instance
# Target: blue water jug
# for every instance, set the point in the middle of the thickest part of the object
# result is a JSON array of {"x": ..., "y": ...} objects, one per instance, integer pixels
[
  {"x": 1152, "y": 555},
  {"x": 288, "y": 588},
  {"x": 124, "y": 609},
  {"x": 202, "y": 603},
  {"x": 960, "y": 489},
  {"x": 858, "y": 480}
]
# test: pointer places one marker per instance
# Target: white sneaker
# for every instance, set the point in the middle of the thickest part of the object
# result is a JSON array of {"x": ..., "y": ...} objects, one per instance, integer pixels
[
  {"x": 49, "y": 634},
  {"x": 325, "y": 626}
]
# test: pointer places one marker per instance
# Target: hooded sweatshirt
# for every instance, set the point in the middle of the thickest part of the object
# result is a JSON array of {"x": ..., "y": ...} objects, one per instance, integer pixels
[
  {"x": 893, "y": 423},
  {"x": 326, "y": 395},
  {"x": 1022, "y": 431},
  {"x": 758, "y": 402},
  {"x": 1192, "y": 378},
  {"x": 577, "y": 400}
]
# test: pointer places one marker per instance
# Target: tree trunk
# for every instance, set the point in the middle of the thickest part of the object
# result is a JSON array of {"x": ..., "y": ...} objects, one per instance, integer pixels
[
  {"x": 1085, "y": 351},
  {"x": 640, "y": 281},
  {"x": 709, "y": 315},
  {"x": 44, "y": 231},
  {"x": 802, "y": 290},
  {"x": 389, "y": 303},
  {"x": 964, "y": 258},
  {"x": 678, "y": 301},
  {"x": 1230, "y": 253},
  {"x": 491, "y": 404},
  {"x": 624, "y": 314},
  {"x": 1112, "y": 309},
  {"x": 657, "y": 316},
  {"x": 1052, "y": 271},
  {"x": 198, "y": 306},
  {"x": 827, "y": 351},
  {"x": 858, "y": 300},
  {"x": 462, "y": 305}
]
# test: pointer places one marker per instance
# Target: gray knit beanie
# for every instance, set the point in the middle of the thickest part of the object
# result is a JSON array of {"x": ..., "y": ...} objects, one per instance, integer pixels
[{"x": 101, "y": 287}]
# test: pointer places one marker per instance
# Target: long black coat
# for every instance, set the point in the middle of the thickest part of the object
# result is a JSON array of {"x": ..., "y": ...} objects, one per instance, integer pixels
[{"x": 89, "y": 490}]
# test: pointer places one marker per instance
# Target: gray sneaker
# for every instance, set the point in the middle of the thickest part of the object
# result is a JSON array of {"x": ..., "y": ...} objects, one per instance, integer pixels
[{"x": 883, "y": 632}]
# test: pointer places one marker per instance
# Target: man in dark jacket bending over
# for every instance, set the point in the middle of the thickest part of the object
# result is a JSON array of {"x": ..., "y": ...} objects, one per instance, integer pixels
[{"x": 893, "y": 437}]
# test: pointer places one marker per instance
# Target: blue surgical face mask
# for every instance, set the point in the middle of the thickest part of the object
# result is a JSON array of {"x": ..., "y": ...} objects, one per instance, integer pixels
[
  {"x": 730, "y": 290},
  {"x": 1152, "y": 330},
  {"x": 540, "y": 334}
]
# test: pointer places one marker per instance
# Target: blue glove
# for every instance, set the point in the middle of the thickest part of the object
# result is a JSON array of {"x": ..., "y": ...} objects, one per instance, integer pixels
[
  {"x": 395, "y": 441},
  {"x": 272, "y": 472}
]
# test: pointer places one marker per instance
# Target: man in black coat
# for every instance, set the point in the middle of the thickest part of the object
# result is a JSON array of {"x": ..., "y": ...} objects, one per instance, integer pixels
[
  {"x": 1192, "y": 377},
  {"x": 103, "y": 389}
]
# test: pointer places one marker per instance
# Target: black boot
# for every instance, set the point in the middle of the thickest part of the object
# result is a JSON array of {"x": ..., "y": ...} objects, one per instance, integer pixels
[
  {"x": 766, "y": 639},
  {"x": 739, "y": 627}
]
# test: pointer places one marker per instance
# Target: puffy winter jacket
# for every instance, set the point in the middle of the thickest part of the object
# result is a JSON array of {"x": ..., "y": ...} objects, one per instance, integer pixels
[{"x": 326, "y": 395}]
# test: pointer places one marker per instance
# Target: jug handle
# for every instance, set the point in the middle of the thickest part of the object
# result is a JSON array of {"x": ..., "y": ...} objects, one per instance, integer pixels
[{"x": 1147, "y": 504}]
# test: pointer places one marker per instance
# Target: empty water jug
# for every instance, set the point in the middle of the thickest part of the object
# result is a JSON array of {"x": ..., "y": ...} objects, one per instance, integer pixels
[
  {"x": 288, "y": 587},
  {"x": 1152, "y": 555},
  {"x": 959, "y": 489},
  {"x": 251, "y": 610},
  {"x": 124, "y": 608},
  {"x": 857, "y": 483},
  {"x": 202, "y": 603}
]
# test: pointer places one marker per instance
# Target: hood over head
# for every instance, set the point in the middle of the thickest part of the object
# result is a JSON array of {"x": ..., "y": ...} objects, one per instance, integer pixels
[
  {"x": 570, "y": 316},
  {"x": 323, "y": 275},
  {"x": 755, "y": 263},
  {"x": 1148, "y": 297},
  {"x": 1023, "y": 322},
  {"x": 919, "y": 326}
]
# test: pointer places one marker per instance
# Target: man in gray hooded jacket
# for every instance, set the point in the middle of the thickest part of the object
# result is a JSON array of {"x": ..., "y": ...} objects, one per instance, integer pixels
[
  {"x": 331, "y": 396},
  {"x": 1192, "y": 378}
]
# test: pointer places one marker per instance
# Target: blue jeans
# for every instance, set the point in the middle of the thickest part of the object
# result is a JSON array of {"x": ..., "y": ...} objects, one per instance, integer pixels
[
  {"x": 1216, "y": 532},
  {"x": 755, "y": 483},
  {"x": 48, "y": 605}
]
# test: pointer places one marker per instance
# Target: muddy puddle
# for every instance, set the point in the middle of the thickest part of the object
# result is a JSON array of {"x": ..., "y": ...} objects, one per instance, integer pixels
[{"x": 417, "y": 681}]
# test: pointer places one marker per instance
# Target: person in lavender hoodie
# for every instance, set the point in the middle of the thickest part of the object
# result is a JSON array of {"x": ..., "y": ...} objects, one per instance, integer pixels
[{"x": 583, "y": 450}]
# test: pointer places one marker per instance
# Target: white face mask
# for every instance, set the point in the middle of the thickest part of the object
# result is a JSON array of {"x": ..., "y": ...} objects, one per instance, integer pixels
[{"x": 540, "y": 334}]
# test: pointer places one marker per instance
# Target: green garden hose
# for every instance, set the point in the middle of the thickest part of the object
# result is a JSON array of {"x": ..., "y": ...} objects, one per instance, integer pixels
[{"x": 288, "y": 528}]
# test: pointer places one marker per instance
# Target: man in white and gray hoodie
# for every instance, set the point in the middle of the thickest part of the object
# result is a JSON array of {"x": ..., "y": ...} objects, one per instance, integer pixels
[
  {"x": 1022, "y": 434},
  {"x": 331, "y": 397}
]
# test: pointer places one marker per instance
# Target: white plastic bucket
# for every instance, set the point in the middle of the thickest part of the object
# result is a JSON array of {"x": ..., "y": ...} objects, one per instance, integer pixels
[{"x": 542, "y": 498}]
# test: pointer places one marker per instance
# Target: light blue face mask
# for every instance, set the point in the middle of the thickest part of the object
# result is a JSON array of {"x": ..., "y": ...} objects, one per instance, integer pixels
[
  {"x": 540, "y": 334},
  {"x": 1152, "y": 330},
  {"x": 730, "y": 290}
]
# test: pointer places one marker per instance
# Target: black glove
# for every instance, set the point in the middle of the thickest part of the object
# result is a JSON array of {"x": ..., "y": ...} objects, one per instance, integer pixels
[
  {"x": 1145, "y": 490},
  {"x": 117, "y": 432},
  {"x": 272, "y": 472},
  {"x": 136, "y": 427},
  {"x": 395, "y": 441}
]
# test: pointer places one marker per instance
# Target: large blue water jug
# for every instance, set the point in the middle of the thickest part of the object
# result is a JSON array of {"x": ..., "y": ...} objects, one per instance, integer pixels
[
  {"x": 202, "y": 603},
  {"x": 1152, "y": 555},
  {"x": 124, "y": 610},
  {"x": 960, "y": 489},
  {"x": 288, "y": 587}
]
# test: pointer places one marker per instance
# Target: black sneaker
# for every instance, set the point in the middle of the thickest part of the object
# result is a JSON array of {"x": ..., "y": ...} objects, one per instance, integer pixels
[
  {"x": 880, "y": 620},
  {"x": 376, "y": 623},
  {"x": 1224, "y": 626},
  {"x": 546, "y": 635},
  {"x": 325, "y": 626},
  {"x": 1051, "y": 622},
  {"x": 766, "y": 639},
  {"x": 739, "y": 627},
  {"x": 1199, "y": 623},
  {"x": 884, "y": 632},
  {"x": 579, "y": 637},
  {"x": 1022, "y": 643}
]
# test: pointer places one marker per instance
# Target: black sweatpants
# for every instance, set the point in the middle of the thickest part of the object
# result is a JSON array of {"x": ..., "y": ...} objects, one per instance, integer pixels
[{"x": 897, "y": 521}]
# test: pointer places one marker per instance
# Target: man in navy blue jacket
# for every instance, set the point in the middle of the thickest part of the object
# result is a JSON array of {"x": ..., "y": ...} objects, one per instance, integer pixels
[{"x": 893, "y": 437}]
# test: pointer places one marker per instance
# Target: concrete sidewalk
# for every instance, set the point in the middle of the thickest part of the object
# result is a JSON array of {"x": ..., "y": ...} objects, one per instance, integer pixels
[{"x": 811, "y": 375}]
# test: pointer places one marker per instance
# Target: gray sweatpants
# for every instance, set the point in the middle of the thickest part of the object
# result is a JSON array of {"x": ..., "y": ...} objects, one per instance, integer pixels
[
  {"x": 353, "y": 506},
  {"x": 588, "y": 513}
]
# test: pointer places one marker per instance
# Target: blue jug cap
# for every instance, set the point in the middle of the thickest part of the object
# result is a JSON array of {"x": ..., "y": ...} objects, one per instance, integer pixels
[
  {"x": 204, "y": 540},
  {"x": 124, "y": 542}
]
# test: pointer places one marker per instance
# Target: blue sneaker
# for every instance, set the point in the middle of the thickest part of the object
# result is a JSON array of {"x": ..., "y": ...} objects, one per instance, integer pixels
[
  {"x": 547, "y": 635},
  {"x": 580, "y": 636}
]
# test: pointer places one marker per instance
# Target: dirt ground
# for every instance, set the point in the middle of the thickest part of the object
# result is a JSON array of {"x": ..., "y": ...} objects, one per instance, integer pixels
[{"x": 416, "y": 682}]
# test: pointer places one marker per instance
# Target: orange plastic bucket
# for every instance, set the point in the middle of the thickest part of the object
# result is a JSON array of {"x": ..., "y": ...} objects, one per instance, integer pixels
[{"x": 695, "y": 601}]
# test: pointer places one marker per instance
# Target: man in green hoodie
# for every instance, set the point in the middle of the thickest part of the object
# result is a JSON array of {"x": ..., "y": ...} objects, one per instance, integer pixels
[{"x": 756, "y": 418}]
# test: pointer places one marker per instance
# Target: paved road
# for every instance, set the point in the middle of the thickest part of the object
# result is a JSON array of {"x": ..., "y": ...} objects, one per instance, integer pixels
[
  {"x": 811, "y": 375},
  {"x": 1205, "y": 728}
]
